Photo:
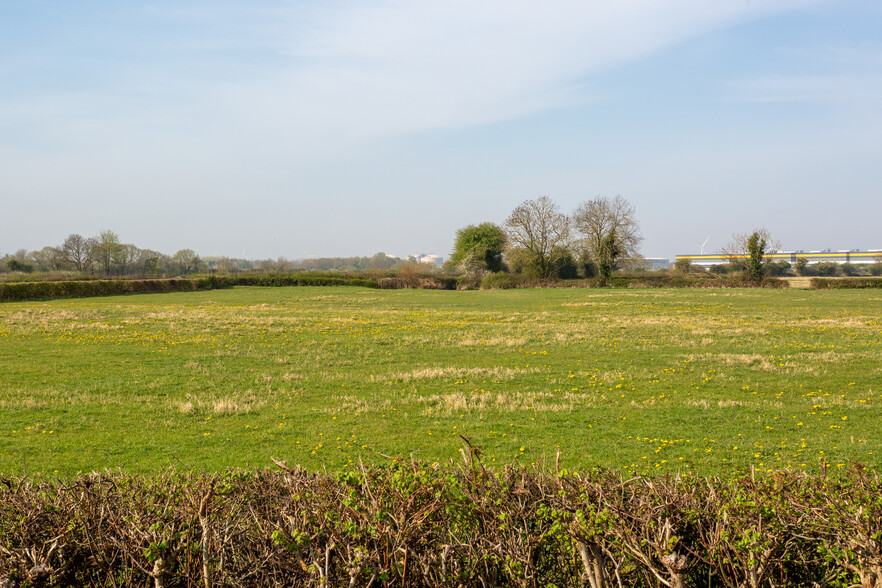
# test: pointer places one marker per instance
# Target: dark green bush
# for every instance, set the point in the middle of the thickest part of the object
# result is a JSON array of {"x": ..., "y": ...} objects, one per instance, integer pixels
[
  {"x": 502, "y": 281},
  {"x": 826, "y": 269}
]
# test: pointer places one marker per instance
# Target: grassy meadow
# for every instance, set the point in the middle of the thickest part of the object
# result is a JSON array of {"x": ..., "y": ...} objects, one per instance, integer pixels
[{"x": 650, "y": 381}]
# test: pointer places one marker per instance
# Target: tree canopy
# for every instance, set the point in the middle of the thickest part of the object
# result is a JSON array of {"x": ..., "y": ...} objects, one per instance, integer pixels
[
  {"x": 749, "y": 250},
  {"x": 608, "y": 230},
  {"x": 541, "y": 232},
  {"x": 479, "y": 247}
]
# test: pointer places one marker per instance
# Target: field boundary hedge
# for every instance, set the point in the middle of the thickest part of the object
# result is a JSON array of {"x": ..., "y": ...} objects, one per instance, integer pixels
[
  {"x": 503, "y": 281},
  {"x": 12, "y": 291},
  {"x": 845, "y": 283},
  {"x": 412, "y": 524},
  {"x": 42, "y": 290}
]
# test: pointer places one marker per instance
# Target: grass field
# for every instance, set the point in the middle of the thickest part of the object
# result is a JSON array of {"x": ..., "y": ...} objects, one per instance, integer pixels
[{"x": 643, "y": 380}]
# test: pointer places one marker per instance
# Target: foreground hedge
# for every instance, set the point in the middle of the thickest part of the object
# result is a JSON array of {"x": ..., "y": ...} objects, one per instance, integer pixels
[
  {"x": 845, "y": 283},
  {"x": 410, "y": 524}
]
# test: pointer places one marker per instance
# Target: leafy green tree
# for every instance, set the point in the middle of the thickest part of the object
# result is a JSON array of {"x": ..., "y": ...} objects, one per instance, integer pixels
[
  {"x": 750, "y": 251},
  {"x": 849, "y": 269},
  {"x": 609, "y": 252},
  {"x": 756, "y": 249},
  {"x": 683, "y": 266},
  {"x": 777, "y": 269},
  {"x": 381, "y": 261},
  {"x": 109, "y": 251},
  {"x": 15, "y": 265},
  {"x": 186, "y": 261},
  {"x": 827, "y": 269},
  {"x": 151, "y": 262},
  {"x": 127, "y": 258},
  {"x": 479, "y": 247}
]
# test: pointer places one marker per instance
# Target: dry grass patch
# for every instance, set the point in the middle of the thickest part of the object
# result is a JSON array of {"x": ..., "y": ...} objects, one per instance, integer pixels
[
  {"x": 738, "y": 359},
  {"x": 31, "y": 398},
  {"x": 241, "y": 403},
  {"x": 501, "y": 402},
  {"x": 493, "y": 342},
  {"x": 358, "y": 405},
  {"x": 437, "y": 373}
]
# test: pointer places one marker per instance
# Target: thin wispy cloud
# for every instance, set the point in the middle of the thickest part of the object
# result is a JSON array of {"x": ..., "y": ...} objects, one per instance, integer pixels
[
  {"x": 273, "y": 120},
  {"x": 399, "y": 67},
  {"x": 844, "y": 90},
  {"x": 325, "y": 79}
]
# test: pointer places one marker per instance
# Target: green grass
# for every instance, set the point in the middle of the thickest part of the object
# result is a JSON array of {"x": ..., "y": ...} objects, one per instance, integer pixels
[{"x": 643, "y": 380}]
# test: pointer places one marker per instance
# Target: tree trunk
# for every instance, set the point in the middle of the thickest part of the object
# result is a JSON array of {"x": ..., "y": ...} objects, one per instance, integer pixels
[
  {"x": 592, "y": 561},
  {"x": 677, "y": 565}
]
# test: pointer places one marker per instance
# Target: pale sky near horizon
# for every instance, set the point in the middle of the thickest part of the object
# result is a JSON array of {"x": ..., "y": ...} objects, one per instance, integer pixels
[{"x": 338, "y": 128}]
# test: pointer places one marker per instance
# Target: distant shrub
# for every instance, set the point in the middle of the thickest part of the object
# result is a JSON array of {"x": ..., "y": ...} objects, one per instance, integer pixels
[
  {"x": 720, "y": 269},
  {"x": 875, "y": 269},
  {"x": 826, "y": 269},
  {"x": 776, "y": 269},
  {"x": 15, "y": 265},
  {"x": 282, "y": 280},
  {"x": 849, "y": 269},
  {"x": 694, "y": 281},
  {"x": 422, "y": 283},
  {"x": 501, "y": 281},
  {"x": 587, "y": 268},
  {"x": 683, "y": 266},
  {"x": 845, "y": 283},
  {"x": 565, "y": 266}
]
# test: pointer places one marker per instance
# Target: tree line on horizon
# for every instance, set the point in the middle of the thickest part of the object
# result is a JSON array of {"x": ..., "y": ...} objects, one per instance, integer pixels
[
  {"x": 106, "y": 255},
  {"x": 536, "y": 241}
]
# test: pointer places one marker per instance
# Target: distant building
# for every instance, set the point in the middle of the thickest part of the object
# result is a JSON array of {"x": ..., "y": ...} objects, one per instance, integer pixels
[
  {"x": 840, "y": 256},
  {"x": 430, "y": 259},
  {"x": 655, "y": 263}
]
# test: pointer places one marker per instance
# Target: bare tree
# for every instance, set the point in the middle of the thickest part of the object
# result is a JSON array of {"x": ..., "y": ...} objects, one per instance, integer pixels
[
  {"x": 749, "y": 251},
  {"x": 599, "y": 219},
  {"x": 539, "y": 229},
  {"x": 78, "y": 252}
]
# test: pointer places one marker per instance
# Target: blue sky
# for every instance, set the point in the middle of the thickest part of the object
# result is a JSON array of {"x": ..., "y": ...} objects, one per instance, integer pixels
[{"x": 337, "y": 128}]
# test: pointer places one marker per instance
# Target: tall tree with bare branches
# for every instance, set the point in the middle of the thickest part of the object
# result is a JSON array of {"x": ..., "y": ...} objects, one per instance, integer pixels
[
  {"x": 749, "y": 250},
  {"x": 608, "y": 226},
  {"x": 79, "y": 252},
  {"x": 539, "y": 230}
]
